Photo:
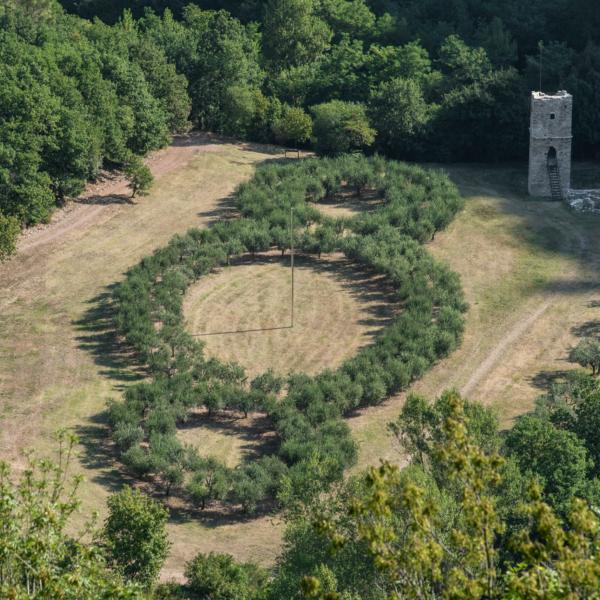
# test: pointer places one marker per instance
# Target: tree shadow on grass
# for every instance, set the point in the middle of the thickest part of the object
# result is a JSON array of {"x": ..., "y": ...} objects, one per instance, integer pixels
[
  {"x": 99, "y": 454},
  {"x": 98, "y": 337},
  {"x": 106, "y": 200},
  {"x": 588, "y": 329},
  {"x": 117, "y": 361},
  {"x": 224, "y": 210},
  {"x": 545, "y": 379}
]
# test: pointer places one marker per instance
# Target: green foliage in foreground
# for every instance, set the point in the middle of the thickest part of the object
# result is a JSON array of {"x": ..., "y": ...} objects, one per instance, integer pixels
[
  {"x": 313, "y": 443},
  {"x": 38, "y": 558},
  {"x": 467, "y": 518},
  {"x": 449, "y": 526},
  {"x": 135, "y": 536}
]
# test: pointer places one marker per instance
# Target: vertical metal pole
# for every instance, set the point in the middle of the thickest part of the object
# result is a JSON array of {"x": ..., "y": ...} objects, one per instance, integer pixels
[
  {"x": 541, "y": 46},
  {"x": 292, "y": 256}
]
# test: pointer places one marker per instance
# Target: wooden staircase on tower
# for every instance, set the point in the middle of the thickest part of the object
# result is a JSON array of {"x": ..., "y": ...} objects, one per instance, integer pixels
[{"x": 554, "y": 176}]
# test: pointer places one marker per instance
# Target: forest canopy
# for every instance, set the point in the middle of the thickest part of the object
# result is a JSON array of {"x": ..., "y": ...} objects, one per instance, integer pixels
[{"x": 417, "y": 80}]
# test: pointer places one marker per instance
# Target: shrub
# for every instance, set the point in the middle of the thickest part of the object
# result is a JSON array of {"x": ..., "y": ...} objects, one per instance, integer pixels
[
  {"x": 139, "y": 176},
  {"x": 341, "y": 127},
  {"x": 135, "y": 535},
  {"x": 219, "y": 577},
  {"x": 9, "y": 231},
  {"x": 294, "y": 127}
]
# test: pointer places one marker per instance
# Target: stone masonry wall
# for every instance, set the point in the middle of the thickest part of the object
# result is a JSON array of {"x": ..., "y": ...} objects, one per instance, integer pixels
[
  {"x": 550, "y": 126},
  {"x": 584, "y": 200}
]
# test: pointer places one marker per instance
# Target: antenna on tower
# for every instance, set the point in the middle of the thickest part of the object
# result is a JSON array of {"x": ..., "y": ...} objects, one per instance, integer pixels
[{"x": 541, "y": 48}]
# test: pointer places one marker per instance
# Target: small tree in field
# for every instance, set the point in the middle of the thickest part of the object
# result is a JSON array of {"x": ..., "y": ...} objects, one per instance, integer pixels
[
  {"x": 140, "y": 178},
  {"x": 135, "y": 535},
  {"x": 587, "y": 354}
]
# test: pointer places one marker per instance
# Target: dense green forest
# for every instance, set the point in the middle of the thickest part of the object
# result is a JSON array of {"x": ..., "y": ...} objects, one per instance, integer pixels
[{"x": 423, "y": 80}]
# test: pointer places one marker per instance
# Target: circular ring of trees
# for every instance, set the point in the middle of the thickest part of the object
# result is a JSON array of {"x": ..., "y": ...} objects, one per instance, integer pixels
[{"x": 313, "y": 443}]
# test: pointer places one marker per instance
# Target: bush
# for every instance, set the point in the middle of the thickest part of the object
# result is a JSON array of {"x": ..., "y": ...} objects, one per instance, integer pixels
[
  {"x": 140, "y": 178},
  {"x": 219, "y": 577},
  {"x": 341, "y": 127},
  {"x": 294, "y": 127},
  {"x": 135, "y": 535},
  {"x": 9, "y": 231}
]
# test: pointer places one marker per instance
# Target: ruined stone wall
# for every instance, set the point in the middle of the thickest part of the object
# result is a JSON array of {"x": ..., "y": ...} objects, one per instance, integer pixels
[{"x": 550, "y": 127}]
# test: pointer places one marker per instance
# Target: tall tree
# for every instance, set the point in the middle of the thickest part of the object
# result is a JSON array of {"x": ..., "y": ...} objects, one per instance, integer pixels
[{"x": 293, "y": 33}]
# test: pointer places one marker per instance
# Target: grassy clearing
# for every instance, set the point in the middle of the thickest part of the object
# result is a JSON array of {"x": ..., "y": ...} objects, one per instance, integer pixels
[
  {"x": 529, "y": 268},
  {"x": 338, "y": 309},
  {"x": 59, "y": 361}
]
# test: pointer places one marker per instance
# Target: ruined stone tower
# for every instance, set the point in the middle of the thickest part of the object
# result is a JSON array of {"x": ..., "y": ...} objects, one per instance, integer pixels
[{"x": 550, "y": 144}]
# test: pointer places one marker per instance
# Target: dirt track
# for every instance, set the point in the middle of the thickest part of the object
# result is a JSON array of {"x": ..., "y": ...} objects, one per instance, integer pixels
[
  {"x": 95, "y": 204},
  {"x": 503, "y": 346}
]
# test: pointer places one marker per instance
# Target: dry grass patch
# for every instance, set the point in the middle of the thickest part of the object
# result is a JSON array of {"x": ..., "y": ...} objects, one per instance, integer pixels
[
  {"x": 348, "y": 205},
  {"x": 338, "y": 309},
  {"x": 234, "y": 439},
  {"x": 531, "y": 272}
]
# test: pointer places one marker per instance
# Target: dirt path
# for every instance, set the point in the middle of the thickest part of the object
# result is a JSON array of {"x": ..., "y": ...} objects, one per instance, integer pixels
[
  {"x": 512, "y": 337},
  {"x": 525, "y": 323},
  {"x": 102, "y": 199}
]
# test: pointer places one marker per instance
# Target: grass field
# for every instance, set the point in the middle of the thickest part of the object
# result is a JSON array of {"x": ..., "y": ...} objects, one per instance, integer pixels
[
  {"x": 530, "y": 272},
  {"x": 337, "y": 309}
]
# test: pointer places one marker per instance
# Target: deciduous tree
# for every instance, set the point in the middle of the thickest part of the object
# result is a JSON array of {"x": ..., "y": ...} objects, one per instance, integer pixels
[{"x": 135, "y": 535}]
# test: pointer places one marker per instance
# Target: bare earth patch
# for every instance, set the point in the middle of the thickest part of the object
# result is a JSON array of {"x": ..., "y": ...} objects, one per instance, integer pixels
[{"x": 338, "y": 309}]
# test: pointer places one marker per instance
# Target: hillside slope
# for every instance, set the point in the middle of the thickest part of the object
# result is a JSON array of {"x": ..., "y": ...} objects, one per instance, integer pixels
[{"x": 530, "y": 271}]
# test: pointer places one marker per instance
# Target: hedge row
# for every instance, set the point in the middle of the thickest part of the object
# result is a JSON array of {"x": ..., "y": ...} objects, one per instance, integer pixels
[{"x": 313, "y": 443}]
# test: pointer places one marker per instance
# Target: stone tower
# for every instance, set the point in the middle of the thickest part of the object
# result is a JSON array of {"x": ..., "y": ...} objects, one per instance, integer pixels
[{"x": 550, "y": 144}]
